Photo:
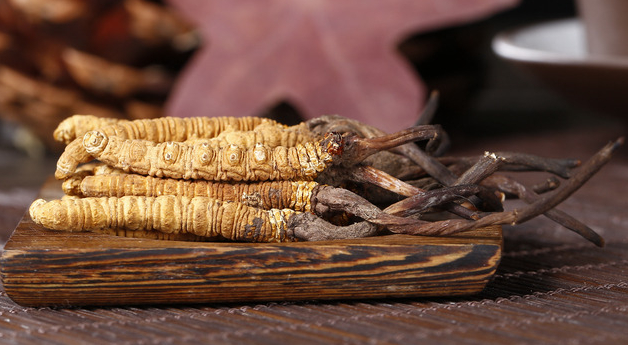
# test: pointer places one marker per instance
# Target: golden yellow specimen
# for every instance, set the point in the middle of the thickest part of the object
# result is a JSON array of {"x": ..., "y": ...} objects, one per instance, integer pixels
[
  {"x": 201, "y": 216},
  {"x": 166, "y": 129},
  {"x": 255, "y": 180},
  {"x": 238, "y": 179},
  {"x": 210, "y": 159},
  {"x": 294, "y": 195},
  {"x": 77, "y": 125}
]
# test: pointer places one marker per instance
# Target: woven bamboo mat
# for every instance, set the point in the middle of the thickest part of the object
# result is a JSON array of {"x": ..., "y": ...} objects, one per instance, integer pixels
[
  {"x": 569, "y": 292},
  {"x": 551, "y": 287}
]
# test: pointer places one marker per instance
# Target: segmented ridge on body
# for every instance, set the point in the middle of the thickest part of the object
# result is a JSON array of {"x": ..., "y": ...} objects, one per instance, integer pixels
[
  {"x": 164, "y": 129},
  {"x": 158, "y": 129},
  {"x": 181, "y": 129},
  {"x": 209, "y": 161},
  {"x": 295, "y": 195},
  {"x": 269, "y": 135},
  {"x": 71, "y": 185},
  {"x": 200, "y": 216}
]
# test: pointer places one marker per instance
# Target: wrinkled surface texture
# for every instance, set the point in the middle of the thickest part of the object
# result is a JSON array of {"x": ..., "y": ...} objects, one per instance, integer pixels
[{"x": 323, "y": 57}]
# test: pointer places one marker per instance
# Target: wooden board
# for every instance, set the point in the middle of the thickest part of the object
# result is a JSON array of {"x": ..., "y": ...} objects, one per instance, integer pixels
[{"x": 40, "y": 267}]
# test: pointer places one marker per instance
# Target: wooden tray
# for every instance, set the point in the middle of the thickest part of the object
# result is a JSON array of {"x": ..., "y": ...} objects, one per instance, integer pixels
[{"x": 40, "y": 267}]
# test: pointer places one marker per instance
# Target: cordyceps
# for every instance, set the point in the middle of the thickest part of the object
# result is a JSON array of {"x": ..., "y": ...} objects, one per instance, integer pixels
[
  {"x": 216, "y": 160},
  {"x": 167, "y": 129},
  {"x": 256, "y": 180}
]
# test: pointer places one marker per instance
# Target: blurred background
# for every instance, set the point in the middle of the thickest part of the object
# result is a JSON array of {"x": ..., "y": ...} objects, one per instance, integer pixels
[{"x": 121, "y": 58}]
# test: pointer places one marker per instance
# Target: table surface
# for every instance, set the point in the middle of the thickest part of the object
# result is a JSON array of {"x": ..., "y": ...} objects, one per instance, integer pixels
[{"x": 551, "y": 285}]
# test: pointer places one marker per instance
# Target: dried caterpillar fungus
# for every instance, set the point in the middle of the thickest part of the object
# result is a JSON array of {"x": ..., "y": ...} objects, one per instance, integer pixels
[
  {"x": 209, "y": 160},
  {"x": 283, "y": 158},
  {"x": 251, "y": 179},
  {"x": 199, "y": 216},
  {"x": 77, "y": 125},
  {"x": 159, "y": 130},
  {"x": 266, "y": 195}
]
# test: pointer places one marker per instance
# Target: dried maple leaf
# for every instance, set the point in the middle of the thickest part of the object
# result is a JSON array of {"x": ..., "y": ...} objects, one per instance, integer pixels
[{"x": 323, "y": 57}]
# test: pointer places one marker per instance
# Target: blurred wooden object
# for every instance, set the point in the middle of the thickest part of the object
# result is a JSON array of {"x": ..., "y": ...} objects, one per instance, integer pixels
[{"x": 110, "y": 59}]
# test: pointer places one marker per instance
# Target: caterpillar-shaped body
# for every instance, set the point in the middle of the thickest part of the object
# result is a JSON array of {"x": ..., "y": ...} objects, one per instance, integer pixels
[
  {"x": 294, "y": 195},
  {"x": 199, "y": 216},
  {"x": 159, "y": 129},
  {"x": 209, "y": 160},
  {"x": 172, "y": 129},
  {"x": 77, "y": 125}
]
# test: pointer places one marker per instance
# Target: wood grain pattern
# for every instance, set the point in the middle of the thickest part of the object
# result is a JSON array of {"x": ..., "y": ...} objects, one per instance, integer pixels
[{"x": 40, "y": 267}]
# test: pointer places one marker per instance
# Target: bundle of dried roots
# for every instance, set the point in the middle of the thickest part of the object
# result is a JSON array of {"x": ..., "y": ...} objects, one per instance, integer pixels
[
  {"x": 253, "y": 179},
  {"x": 116, "y": 58}
]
